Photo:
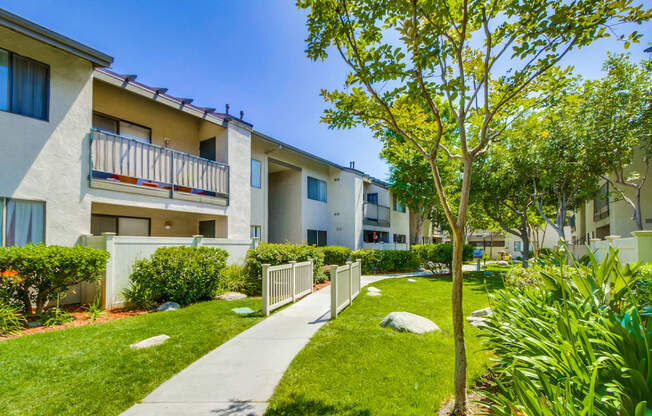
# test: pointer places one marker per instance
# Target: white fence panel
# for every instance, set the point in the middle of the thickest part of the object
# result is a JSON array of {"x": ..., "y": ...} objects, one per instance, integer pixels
[
  {"x": 285, "y": 283},
  {"x": 345, "y": 286}
]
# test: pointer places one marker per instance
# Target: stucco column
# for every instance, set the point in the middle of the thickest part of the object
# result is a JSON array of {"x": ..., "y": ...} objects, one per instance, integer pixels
[
  {"x": 643, "y": 245},
  {"x": 239, "y": 158}
]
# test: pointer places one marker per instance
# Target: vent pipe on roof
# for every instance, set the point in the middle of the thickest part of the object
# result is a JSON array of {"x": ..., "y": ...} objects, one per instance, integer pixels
[
  {"x": 241, "y": 114},
  {"x": 227, "y": 108},
  {"x": 352, "y": 164}
]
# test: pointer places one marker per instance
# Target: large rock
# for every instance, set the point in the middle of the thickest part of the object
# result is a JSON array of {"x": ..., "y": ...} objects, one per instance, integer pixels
[
  {"x": 150, "y": 342},
  {"x": 477, "y": 321},
  {"x": 481, "y": 312},
  {"x": 409, "y": 322},
  {"x": 168, "y": 306},
  {"x": 411, "y": 280},
  {"x": 374, "y": 294},
  {"x": 231, "y": 296},
  {"x": 502, "y": 263},
  {"x": 373, "y": 289}
]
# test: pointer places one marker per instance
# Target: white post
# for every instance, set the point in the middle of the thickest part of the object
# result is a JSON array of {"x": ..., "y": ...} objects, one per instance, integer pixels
[
  {"x": 312, "y": 278},
  {"x": 348, "y": 263},
  {"x": 333, "y": 271},
  {"x": 197, "y": 240},
  {"x": 293, "y": 282},
  {"x": 109, "y": 279},
  {"x": 265, "y": 276}
]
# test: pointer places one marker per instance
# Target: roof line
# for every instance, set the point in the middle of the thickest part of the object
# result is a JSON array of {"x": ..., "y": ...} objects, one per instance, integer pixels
[{"x": 54, "y": 39}]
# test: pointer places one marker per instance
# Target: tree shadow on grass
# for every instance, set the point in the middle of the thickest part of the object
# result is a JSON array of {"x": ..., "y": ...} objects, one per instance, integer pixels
[
  {"x": 477, "y": 281},
  {"x": 300, "y": 405}
]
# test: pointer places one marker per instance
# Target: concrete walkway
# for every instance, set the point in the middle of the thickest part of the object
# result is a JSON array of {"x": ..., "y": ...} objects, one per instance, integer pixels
[{"x": 239, "y": 377}]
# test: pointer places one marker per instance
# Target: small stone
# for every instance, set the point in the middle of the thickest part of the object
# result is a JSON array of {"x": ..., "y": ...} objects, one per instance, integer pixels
[
  {"x": 150, "y": 342},
  {"x": 230, "y": 296},
  {"x": 411, "y": 280},
  {"x": 243, "y": 311},
  {"x": 476, "y": 321},
  {"x": 481, "y": 312},
  {"x": 374, "y": 294},
  {"x": 409, "y": 322},
  {"x": 168, "y": 306},
  {"x": 373, "y": 289},
  {"x": 34, "y": 324}
]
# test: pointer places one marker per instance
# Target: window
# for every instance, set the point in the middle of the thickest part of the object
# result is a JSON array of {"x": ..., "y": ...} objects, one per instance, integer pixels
[
  {"x": 376, "y": 236},
  {"x": 24, "y": 85},
  {"x": 255, "y": 231},
  {"x": 256, "y": 171},
  {"x": 518, "y": 246},
  {"x": 317, "y": 238},
  {"x": 132, "y": 226},
  {"x": 398, "y": 207},
  {"x": 123, "y": 128},
  {"x": 601, "y": 203},
  {"x": 316, "y": 189},
  {"x": 399, "y": 238},
  {"x": 25, "y": 222},
  {"x": 372, "y": 198}
]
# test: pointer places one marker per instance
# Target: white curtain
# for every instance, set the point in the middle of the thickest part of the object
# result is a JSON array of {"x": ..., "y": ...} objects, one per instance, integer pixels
[{"x": 25, "y": 222}]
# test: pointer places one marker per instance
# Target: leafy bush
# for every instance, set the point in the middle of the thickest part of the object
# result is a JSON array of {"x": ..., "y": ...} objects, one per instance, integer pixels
[
  {"x": 95, "y": 308},
  {"x": 56, "y": 316},
  {"x": 383, "y": 261},
  {"x": 36, "y": 274},
  {"x": 176, "y": 274},
  {"x": 11, "y": 321},
  {"x": 233, "y": 279},
  {"x": 571, "y": 341},
  {"x": 440, "y": 254},
  {"x": 335, "y": 254},
  {"x": 275, "y": 254}
]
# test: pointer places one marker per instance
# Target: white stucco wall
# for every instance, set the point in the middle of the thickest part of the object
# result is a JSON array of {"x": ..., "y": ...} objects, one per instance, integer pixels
[
  {"x": 315, "y": 214},
  {"x": 239, "y": 156},
  {"x": 43, "y": 160},
  {"x": 343, "y": 207},
  {"x": 259, "y": 196},
  {"x": 285, "y": 207}
]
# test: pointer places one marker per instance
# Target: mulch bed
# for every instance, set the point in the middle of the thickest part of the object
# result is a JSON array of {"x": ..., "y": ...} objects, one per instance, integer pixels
[
  {"x": 322, "y": 285},
  {"x": 82, "y": 318}
]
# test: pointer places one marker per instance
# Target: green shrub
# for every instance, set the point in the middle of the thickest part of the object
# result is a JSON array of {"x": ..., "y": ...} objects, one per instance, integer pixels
[
  {"x": 37, "y": 274},
  {"x": 440, "y": 254},
  {"x": 175, "y": 274},
  {"x": 335, "y": 254},
  {"x": 11, "y": 321},
  {"x": 275, "y": 254},
  {"x": 56, "y": 316},
  {"x": 384, "y": 261},
  {"x": 233, "y": 278},
  {"x": 569, "y": 340}
]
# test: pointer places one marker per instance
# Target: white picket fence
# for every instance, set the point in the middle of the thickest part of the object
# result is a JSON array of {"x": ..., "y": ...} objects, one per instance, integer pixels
[
  {"x": 285, "y": 283},
  {"x": 345, "y": 286}
]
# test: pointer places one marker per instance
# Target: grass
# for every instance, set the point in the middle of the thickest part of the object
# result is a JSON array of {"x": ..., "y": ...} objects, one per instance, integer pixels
[
  {"x": 352, "y": 366},
  {"x": 91, "y": 370}
]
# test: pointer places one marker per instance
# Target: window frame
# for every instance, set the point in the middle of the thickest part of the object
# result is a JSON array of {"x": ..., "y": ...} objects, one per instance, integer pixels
[
  {"x": 118, "y": 120},
  {"x": 317, "y": 235},
  {"x": 260, "y": 231},
  {"x": 601, "y": 194},
  {"x": 383, "y": 236},
  {"x": 396, "y": 204},
  {"x": 260, "y": 173},
  {"x": 117, "y": 222},
  {"x": 3, "y": 218},
  {"x": 318, "y": 181},
  {"x": 10, "y": 86}
]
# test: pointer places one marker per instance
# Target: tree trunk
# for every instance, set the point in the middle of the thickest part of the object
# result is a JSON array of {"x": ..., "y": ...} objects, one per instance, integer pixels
[
  {"x": 458, "y": 324},
  {"x": 525, "y": 238},
  {"x": 638, "y": 214}
]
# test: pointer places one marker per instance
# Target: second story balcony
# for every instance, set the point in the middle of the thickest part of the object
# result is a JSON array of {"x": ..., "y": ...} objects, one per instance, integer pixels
[
  {"x": 375, "y": 214},
  {"x": 126, "y": 164}
]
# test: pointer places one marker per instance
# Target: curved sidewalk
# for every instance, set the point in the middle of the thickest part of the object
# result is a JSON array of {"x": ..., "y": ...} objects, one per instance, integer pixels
[{"x": 238, "y": 377}]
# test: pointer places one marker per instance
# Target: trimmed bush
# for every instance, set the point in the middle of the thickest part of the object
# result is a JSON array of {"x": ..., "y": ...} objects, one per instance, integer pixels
[
  {"x": 383, "y": 261},
  {"x": 440, "y": 253},
  {"x": 175, "y": 274},
  {"x": 335, "y": 254},
  {"x": 275, "y": 254},
  {"x": 34, "y": 275}
]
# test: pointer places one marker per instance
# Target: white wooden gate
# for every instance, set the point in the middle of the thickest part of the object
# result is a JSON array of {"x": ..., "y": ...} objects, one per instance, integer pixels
[
  {"x": 285, "y": 283},
  {"x": 345, "y": 286}
]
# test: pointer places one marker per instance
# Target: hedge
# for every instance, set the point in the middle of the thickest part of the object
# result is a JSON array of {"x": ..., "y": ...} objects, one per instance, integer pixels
[
  {"x": 275, "y": 254},
  {"x": 36, "y": 274},
  {"x": 176, "y": 274},
  {"x": 335, "y": 254},
  {"x": 383, "y": 261},
  {"x": 440, "y": 253}
]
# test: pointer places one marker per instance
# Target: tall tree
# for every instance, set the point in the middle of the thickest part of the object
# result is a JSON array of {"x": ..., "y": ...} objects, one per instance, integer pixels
[
  {"x": 618, "y": 110},
  {"x": 443, "y": 65}
]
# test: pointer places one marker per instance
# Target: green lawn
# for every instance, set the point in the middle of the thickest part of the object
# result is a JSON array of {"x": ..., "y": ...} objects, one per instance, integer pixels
[
  {"x": 352, "y": 366},
  {"x": 91, "y": 370}
]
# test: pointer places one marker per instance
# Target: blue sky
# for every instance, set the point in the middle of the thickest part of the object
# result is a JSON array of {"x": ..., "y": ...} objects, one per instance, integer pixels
[{"x": 248, "y": 54}]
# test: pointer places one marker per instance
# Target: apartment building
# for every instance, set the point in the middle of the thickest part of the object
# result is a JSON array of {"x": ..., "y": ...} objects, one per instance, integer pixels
[{"x": 86, "y": 151}]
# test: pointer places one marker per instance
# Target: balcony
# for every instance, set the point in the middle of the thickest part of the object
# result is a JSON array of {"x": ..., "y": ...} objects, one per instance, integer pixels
[
  {"x": 124, "y": 164},
  {"x": 377, "y": 215}
]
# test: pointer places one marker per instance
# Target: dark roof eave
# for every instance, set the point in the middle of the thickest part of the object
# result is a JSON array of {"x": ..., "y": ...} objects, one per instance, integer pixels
[{"x": 47, "y": 36}]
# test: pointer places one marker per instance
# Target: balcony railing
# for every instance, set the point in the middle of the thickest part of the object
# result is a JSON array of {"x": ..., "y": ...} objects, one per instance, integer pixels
[
  {"x": 122, "y": 159},
  {"x": 374, "y": 214}
]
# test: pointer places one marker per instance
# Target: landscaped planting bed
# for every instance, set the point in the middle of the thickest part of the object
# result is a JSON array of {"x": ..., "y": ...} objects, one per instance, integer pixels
[
  {"x": 353, "y": 366},
  {"x": 91, "y": 370}
]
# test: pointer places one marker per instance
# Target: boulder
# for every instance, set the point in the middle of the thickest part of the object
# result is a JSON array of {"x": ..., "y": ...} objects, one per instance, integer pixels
[
  {"x": 502, "y": 263},
  {"x": 230, "y": 296},
  {"x": 373, "y": 289},
  {"x": 411, "y": 280},
  {"x": 168, "y": 306},
  {"x": 477, "y": 321},
  {"x": 409, "y": 322},
  {"x": 150, "y": 342},
  {"x": 481, "y": 312},
  {"x": 374, "y": 294}
]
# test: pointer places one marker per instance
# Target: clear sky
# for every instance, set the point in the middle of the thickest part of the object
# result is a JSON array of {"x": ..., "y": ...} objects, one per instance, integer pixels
[{"x": 247, "y": 53}]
